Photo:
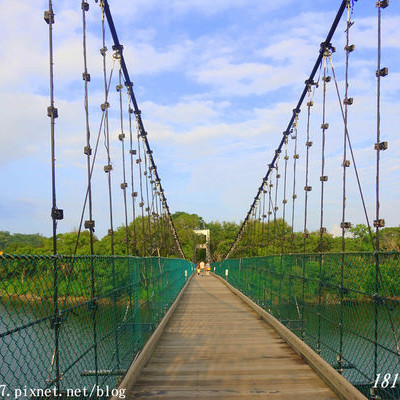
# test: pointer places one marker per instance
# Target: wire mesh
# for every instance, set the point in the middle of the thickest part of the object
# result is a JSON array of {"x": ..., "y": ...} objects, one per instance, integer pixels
[
  {"x": 103, "y": 319},
  {"x": 350, "y": 315}
]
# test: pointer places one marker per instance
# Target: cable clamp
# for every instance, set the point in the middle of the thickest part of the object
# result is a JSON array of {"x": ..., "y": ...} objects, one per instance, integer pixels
[
  {"x": 85, "y": 6},
  {"x": 348, "y": 101},
  {"x": 284, "y": 201},
  {"x": 382, "y": 72},
  {"x": 380, "y": 223},
  {"x": 322, "y": 230},
  {"x": 294, "y": 197},
  {"x": 89, "y": 224},
  {"x": 326, "y": 78},
  {"x": 327, "y": 49},
  {"x": 118, "y": 47},
  {"x": 325, "y": 126},
  {"x": 286, "y": 158},
  {"x": 306, "y": 235},
  {"x": 104, "y": 106},
  {"x": 323, "y": 178},
  {"x": 269, "y": 212},
  {"x": 57, "y": 214},
  {"x": 345, "y": 225},
  {"x": 296, "y": 111},
  {"x": 86, "y": 77},
  {"x": 264, "y": 215},
  {"x": 310, "y": 103},
  {"x": 103, "y": 51},
  {"x": 309, "y": 144},
  {"x": 141, "y": 204},
  {"x": 87, "y": 150},
  {"x": 296, "y": 156},
  {"x": 346, "y": 163},
  {"x": 118, "y": 87},
  {"x": 52, "y": 112},
  {"x": 121, "y": 136},
  {"x": 56, "y": 320},
  {"x": 138, "y": 161},
  {"x": 308, "y": 188},
  {"x": 110, "y": 232},
  {"x": 144, "y": 172},
  {"x": 382, "y": 4},
  {"x": 276, "y": 208},
  {"x": 147, "y": 208},
  {"x": 49, "y": 17},
  {"x": 350, "y": 48},
  {"x": 278, "y": 176},
  {"x": 278, "y": 151},
  {"x": 107, "y": 168},
  {"x": 133, "y": 152},
  {"x": 381, "y": 146},
  {"x": 124, "y": 185},
  {"x": 311, "y": 82},
  {"x": 134, "y": 194}
]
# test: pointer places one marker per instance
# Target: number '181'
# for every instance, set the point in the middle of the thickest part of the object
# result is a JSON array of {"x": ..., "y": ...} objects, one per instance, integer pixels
[{"x": 385, "y": 381}]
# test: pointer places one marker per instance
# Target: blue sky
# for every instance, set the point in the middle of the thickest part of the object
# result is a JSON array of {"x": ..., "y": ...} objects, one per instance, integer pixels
[{"x": 216, "y": 82}]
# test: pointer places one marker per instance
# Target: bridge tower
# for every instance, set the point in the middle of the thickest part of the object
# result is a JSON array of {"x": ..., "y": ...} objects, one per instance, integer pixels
[{"x": 206, "y": 245}]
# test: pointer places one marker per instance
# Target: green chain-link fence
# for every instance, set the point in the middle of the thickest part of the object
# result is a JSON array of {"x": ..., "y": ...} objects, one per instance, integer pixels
[
  {"x": 345, "y": 306},
  {"x": 76, "y": 323}
]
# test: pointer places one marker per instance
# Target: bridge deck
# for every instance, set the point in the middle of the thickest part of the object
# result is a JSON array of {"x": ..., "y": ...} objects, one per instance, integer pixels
[{"x": 216, "y": 347}]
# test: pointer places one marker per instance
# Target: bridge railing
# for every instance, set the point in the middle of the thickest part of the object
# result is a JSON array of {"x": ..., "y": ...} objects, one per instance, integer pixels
[
  {"x": 76, "y": 323},
  {"x": 345, "y": 306}
]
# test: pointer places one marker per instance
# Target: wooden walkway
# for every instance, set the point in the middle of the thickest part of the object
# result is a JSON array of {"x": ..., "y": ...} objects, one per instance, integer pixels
[{"x": 216, "y": 347}]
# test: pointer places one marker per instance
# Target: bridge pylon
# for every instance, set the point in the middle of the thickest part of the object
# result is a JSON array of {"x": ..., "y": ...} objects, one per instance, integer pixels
[{"x": 206, "y": 245}]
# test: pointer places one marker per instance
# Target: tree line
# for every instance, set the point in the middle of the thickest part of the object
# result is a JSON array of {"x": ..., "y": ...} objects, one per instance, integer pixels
[{"x": 152, "y": 237}]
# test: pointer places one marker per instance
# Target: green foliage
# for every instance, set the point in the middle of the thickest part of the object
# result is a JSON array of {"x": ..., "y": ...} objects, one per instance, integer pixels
[
  {"x": 11, "y": 242},
  {"x": 152, "y": 237}
]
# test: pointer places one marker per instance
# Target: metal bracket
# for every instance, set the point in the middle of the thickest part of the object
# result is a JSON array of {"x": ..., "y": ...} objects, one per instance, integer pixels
[
  {"x": 350, "y": 48},
  {"x": 380, "y": 223},
  {"x": 382, "y": 72},
  {"x": 87, "y": 150},
  {"x": 348, "y": 101},
  {"x": 382, "y": 4},
  {"x": 57, "y": 214},
  {"x": 52, "y": 112},
  {"x": 381, "y": 146},
  {"x": 89, "y": 224},
  {"x": 104, "y": 106},
  {"x": 49, "y": 17}
]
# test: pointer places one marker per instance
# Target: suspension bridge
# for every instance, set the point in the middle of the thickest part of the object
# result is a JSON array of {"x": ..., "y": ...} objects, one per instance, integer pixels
[{"x": 281, "y": 324}]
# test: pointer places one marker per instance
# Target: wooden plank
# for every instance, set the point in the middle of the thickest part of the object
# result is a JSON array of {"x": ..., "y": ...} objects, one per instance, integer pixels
[
  {"x": 344, "y": 389},
  {"x": 216, "y": 347}
]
